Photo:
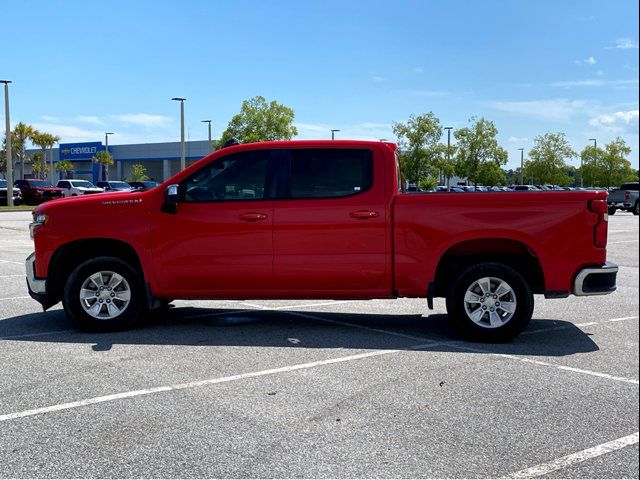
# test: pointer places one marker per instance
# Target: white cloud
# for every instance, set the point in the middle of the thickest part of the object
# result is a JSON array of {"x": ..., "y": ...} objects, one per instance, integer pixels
[
  {"x": 70, "y": 133},
  {"x": 626, "y": 43},
  {"x": 617, "y": 121},
  {"x": 143, "y": 119},
  {"x": 588, "y": 61},
  {"x": 428, "y": 93},
  {"x": 595, "y": 82},
  {"x": 378, "y": 79},
  {"x": 49, "y": 118},
  {"x": 513, "y": 139},
  {"x": 89, "y": 119},
  {"x": 559, "y": 110},
  {"x": 360, "y": 131}
]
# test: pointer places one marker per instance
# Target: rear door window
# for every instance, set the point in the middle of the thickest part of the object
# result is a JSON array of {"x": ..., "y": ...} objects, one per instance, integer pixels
[{"x": 329, "y": 172}]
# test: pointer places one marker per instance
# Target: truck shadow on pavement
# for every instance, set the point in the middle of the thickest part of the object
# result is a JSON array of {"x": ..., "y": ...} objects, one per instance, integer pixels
[{"x": 297, "y": 329}]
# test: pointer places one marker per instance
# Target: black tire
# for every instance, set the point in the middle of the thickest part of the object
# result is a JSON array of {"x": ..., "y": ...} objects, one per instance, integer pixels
[
  {"x": 481, "y": 330},
  {"x": 611, "y": 211},
  {"x": 636, "y": 208},
  {"x": 129, "y": 314}
]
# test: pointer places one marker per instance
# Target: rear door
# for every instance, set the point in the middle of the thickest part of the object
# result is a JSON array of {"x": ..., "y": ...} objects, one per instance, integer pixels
[{"x": 330, "y": 223}]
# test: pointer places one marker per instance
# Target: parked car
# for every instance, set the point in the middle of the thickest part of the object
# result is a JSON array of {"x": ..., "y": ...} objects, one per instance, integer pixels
[
  {"x": 34, "y": 191},
  {"x": 146, "y": 185},
  {"x": 17, "y": 196},
  {"x": 624, "y": 198},
  {"x": 74, "y": 188},
  {"x": 523, "y": 188},
  {"x": 115, "y": 186},
  {"x": 325, "y": 219}
]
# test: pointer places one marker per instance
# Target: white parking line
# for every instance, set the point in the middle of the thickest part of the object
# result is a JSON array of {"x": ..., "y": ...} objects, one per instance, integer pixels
[
  {"x": 623, "y": 231},
  {"x": 8, "y": 276},
  {"x": 459, "y": 346},
  {"x": 14, "y": 298},
  {"x": 10, "y": 261},
  {"x": 574, "y": 458},
  {"x": 201, "y": 383},
  {"x": 623, "y": 241}
]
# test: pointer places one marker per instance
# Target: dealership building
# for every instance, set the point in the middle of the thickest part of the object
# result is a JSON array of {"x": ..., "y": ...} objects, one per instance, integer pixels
[{"x": 161, "y": 160}]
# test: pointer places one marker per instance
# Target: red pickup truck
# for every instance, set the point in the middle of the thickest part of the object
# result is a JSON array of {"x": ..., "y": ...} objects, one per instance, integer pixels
[{"x": 317, "y": 219}]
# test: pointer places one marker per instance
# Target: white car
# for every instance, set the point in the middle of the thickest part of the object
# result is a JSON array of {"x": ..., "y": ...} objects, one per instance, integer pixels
[{"x": 74, "y": 188}]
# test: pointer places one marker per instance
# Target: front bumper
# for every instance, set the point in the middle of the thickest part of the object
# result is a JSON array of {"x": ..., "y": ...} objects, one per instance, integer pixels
[
  {"x": 596, "y": 280},
  {"x": 37, "y": 286}
]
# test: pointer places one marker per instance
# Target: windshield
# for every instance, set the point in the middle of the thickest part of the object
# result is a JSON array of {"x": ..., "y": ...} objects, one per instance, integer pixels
[
  {"x": 119, "y": 185},
  {"x": 83, "y": 184},
  {"x": 38, "y": 183}
]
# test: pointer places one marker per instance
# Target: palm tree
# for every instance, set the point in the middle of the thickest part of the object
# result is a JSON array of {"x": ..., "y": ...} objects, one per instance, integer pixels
[
  {"x": 64, "y": 166},
  {"x": 105, "y": 160},
  {"x": 21, "y": 133},
  {"x": 44, "y": 140}
]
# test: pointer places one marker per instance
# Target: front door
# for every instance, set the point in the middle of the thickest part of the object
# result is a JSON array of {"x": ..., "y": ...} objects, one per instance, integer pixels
[{"x": 220, "y": 238}]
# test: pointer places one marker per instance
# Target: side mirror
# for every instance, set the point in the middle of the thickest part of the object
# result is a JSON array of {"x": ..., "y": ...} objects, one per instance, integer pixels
[{"x": 170, "y": 204}]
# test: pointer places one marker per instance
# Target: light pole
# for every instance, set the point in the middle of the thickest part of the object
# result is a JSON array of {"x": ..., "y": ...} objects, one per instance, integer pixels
[
  {"x": 106, "y": 148},
  {"x": 595, "y": 154},
  {"x": 182, "y": 160},
  {"x": 521, "y": 166},
  {"x": 8, "y": 144},
  {"x": 333, "y": 133},
  {"x": 209, "y": 125},
  {"x": 448, "y": 129}
]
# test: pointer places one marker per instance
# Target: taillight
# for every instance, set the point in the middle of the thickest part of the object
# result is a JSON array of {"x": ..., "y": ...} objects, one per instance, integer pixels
[{"x": 600, "y": 230}]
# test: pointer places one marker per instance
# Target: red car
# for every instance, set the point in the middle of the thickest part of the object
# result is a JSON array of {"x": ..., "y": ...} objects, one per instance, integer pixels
[
  {"x": 35, "y": 192},
  {"x": 317, "y": 219}
]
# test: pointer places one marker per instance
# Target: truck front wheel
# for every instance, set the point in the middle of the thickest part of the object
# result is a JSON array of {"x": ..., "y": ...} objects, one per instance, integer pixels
[
  {"x": 490, "y": 302},
  {"x": 104, "y": 294}
]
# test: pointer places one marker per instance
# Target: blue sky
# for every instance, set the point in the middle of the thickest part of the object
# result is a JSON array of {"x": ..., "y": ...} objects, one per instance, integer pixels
[{"x": 82, "y": 68}]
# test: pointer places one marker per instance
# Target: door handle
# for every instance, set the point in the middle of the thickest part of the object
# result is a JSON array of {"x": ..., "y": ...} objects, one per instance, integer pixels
[
  {"x": 364, "y": 214},
  {"x": 252, "y": 216}
]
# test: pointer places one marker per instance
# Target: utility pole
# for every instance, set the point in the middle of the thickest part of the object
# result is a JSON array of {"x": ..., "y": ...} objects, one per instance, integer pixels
[
  {"x": 333, "y": 131},
  {"x": 106, "y": 147},
  {"x": 8, "y": 144},
  {"x": 448, "y": 129},
  {"x": 521, "y": 166},
  {"x": 182, "y": 159},
  {"x": 595, "y": 154},
  {"x": 209, "y": 122}
]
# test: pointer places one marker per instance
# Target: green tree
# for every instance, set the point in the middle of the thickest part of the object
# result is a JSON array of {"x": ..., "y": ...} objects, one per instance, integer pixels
[
  {"x": 105, "y": 160},
  {"x": 138, "y": 173},
  {"x": 479, "y": 157},
  {"x": 20, "y": 134},
  {"x": 3, "y": 159},
  {"x": 43, "y": 140},
  {"x": 419, "y": 149},
  {"x": 39, "y": 165},
  {"x": 64, "y": 166},
  {"x": 259, "y": 121},
  {"x": 547, "y": 159},
  {"x": 607, "y": 167}
]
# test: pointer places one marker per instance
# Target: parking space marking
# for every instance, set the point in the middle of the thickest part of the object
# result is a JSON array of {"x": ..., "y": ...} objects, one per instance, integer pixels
[
  {"x": 623, "y": 231},
  {"x": 10, "y": 261},
  {"x": 37, "y": 334},
  {"x": 14, "y": 298},
  {"x": 9, "y": 276},
  {"x": 623, "y": 241},
  {"x": 574, "y": 458},
  {"x": 202, "y": 383},
  {"x": 586, "y": 324},
  {"x": 459, "y": 346}
]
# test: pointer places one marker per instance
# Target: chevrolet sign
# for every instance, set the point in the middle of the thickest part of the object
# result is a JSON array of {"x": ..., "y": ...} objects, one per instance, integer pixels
[{"x": 79, "y": 151}]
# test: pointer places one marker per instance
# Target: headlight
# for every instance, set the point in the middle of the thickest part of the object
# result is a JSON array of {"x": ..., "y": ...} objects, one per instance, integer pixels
[
  {"x": 40, "y": 192},
  {"x": 39, "y": 219}
]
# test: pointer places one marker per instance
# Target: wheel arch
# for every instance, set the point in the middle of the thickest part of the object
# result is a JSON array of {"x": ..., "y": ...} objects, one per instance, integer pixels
[
  {"x": 68, "y": 256},
  {"x": 513, "y": 253}
]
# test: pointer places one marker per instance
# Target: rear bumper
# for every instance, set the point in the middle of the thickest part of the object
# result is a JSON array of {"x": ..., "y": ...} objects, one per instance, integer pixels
[{"x": 596, "y": 280}]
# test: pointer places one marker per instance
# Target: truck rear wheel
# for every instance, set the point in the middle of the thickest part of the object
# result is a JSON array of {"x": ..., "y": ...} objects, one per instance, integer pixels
[
  {"x": 636, "y": 208},
  {"x": 490, "y": 302},
  {"x": 104, "y": 294},
  {"x": 611, "y": 211}
]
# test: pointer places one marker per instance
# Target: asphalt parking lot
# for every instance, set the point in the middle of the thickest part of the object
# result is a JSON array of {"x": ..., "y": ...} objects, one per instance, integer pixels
[{"x": 319, "y": 389}]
